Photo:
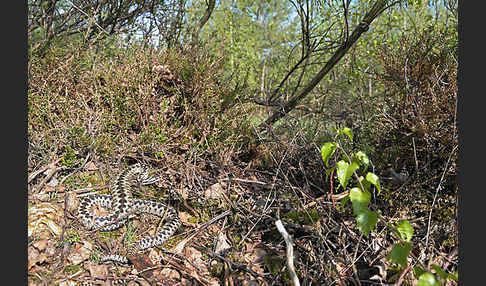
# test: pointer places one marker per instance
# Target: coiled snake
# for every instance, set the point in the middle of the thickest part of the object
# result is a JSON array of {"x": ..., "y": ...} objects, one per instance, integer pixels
[{"x": 124, "y": 205}]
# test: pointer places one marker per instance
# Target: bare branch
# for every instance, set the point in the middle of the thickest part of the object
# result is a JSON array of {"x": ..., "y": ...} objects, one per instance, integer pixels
[
  {"x": 290, "y": 252},
  {"x": 360, "y": 29}
]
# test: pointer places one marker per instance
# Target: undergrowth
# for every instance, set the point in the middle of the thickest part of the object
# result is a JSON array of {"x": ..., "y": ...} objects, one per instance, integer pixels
[
  {"x": 112, "y": 101},
  {"x": 112, "y": 105}
]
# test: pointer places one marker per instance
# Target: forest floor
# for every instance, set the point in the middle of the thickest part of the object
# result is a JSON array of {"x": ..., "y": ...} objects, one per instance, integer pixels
[
  {"x": 90, "y": 117},
  {"x": 228, "y": 234}
]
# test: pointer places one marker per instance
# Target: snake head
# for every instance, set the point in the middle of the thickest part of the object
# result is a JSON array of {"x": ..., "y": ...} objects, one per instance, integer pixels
[{"x": 143, "y": 174}]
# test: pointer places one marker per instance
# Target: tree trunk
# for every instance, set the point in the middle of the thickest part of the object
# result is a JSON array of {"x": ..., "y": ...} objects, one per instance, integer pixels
[{"x": 202, "y": 22}]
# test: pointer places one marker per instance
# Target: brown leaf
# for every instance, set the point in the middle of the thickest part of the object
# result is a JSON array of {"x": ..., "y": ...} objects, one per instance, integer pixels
[
  {"x": 166, "y": 274},
  {"x": 40, "y": 244},
  {"x": 142, "y": 262},
  {"x": 98, "y": 271},
  {"x": 71, "y": 201},
  {"x": 68, "y": 283},
  {"x": 247, "y": 282},
  {"x": 90, "y": 166},
  {"x": 215, "y": 191},
  {"x": 184, "y": 217},
  {"x": 53, "y": 182},
  {"x": 80, "y": 252},
  {"x": 138, "y": 283},
  {"x": 155, "y": 255},
  {"x": 193, "y": 254},
  {"x": 44, "y": 219},
  {"x": 255, "y": 258},
  {"x": 32, "y": 256},
  {"x": 213, "y": 282},
  {"x": 222, "y": 243},
  {"x": 43, "y": 197},
  {"x": 51, "y": 248},
  {"x": 184, "y": 193},
  {"x": 179, "y": 247},
  {"x": 160, "y": 69},
  {"x": 196, "y": 257}
]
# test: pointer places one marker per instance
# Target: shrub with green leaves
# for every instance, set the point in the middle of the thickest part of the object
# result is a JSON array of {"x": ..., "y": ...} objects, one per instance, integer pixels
[
  {"x": 355, "y": 165},
  {"x": 345, "y": 168}
]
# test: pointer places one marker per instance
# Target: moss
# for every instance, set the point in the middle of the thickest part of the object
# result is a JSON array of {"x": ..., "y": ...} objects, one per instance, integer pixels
[
  {"x": 213, "y": 203},
  {"x": 159, "y": 155},
  {"x": 71, "y": 236},
  {"x": 237, "y": 238},
  {"x": 71, "y": 269},
  {"x": 308, "y": 217},
  {"x": 446, "y": 213},
  {"x": 192, "y": 219},
  {"x": 393, "y": 270},
  {"x": 84, "y": 179},
  {"x": 69, "y": 158},
  {"x": 273, "y": 263},
  {"x": 217, "y": 269},
  {"x": 106, "y": 236}
]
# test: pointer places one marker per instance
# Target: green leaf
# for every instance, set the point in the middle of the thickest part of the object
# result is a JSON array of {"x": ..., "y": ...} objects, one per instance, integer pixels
[
  {"x": 405, "y": 230},
  {"x": 363, "y": 158},
  {"x": 452, "y": 276},
  {"x": 372, "y": 178},
  {"x": 364, "y": 182},
  {"x": 342, "y": 166},
  {"x": 345, "y": 171},
  {"x": 428, "y": 279},
  {"x": 353, "y": 167},
  {"x": 344, "y": 201},
  {"x": 348, "y": 132},
  {"x": 417, "y": 271},
  {"x": 327, "y": 151},
  {"x": 360, "y": 200},
  {"x": 399, "y": 253},
  {"x": 441, "y": 273},
  {"x": 366, "y": 221}
]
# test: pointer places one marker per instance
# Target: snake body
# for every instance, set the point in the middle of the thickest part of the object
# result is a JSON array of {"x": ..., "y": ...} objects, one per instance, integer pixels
[{"x": 124, "y": 205}]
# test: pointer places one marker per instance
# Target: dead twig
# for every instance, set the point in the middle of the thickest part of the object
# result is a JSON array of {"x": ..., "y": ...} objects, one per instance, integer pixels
[
  {"x": 230, "y": 263},
  {"x": 34, "y": 174},
  {"x": 290, "y": 252},
  {"x": 198, "y": 230},
  {"x": 220, "y": 216},
  {"x": 439, "y": 187},
  {"x": 402, "y": 276},
  {"x": 86, "y": 190},
  {"x": 355, "y": 270},
  {"x": 415, "y": 155},
  {"x": 48, "y": 177}
]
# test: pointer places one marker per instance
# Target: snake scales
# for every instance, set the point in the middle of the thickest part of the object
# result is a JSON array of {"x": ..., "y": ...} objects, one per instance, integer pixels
[{"x": 124, "y": 205}]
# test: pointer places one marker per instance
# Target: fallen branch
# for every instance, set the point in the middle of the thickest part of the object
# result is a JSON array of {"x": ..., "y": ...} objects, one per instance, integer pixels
[
  {"x": 48, "y": 177},
  {"x": 43, "y": 169},
  {"x": 290, "y": 252},
  {"x": 178, "y": 248}
]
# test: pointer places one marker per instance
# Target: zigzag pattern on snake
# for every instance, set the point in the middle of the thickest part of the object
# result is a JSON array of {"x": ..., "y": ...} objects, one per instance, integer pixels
[{"x": 124, "y": 205}]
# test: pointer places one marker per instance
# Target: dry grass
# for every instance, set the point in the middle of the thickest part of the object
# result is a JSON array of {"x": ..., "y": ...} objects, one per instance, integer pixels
[{"x": 92, "y": 111}]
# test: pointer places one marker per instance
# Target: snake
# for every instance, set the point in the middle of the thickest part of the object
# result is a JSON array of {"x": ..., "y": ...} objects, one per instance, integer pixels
[{"x": 123, "y": 205}]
